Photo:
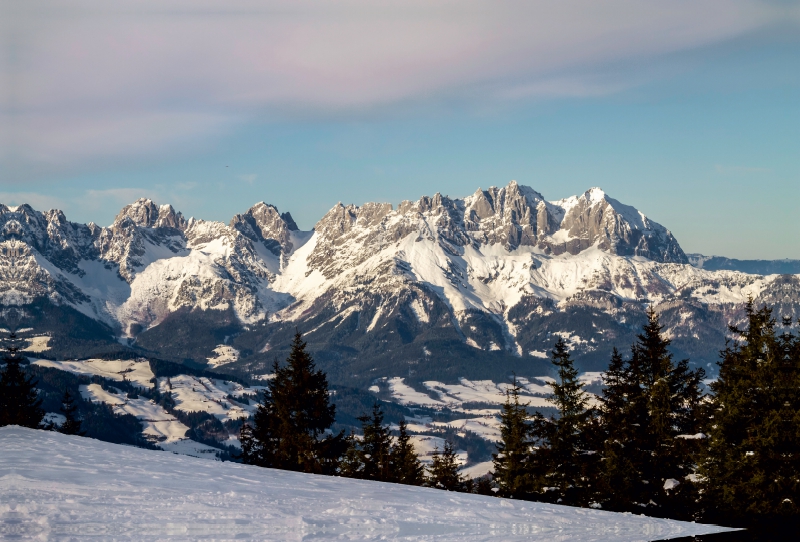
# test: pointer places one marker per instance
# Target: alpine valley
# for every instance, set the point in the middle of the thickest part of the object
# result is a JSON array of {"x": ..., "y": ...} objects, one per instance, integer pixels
[{"x": 437, "y": 289}]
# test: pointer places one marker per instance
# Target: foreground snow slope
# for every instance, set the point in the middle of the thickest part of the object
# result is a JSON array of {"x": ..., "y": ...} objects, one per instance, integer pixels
[{"x": 55, "y": 486}]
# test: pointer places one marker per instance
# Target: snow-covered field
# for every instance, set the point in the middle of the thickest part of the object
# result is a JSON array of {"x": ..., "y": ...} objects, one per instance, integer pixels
[
  {"x": 453, "y": 396},
  {"x": 158, "y": 425},
  {"x": 59, "y": 487},
  {"x": 200, "y": 394},
  {"x": 134, "y": 371},
  {"x": 223, "y": 354},
  {"x": 40, "y": 343}
]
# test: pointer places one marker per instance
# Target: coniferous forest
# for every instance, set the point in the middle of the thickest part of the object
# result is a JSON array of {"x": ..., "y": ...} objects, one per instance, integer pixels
[{"x": 656, "y": 441}]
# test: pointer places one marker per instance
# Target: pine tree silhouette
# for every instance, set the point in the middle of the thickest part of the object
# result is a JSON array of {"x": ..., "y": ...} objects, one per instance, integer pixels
[
  {"x": 560, "y": 460},
  {"x": 289, "y": 424},
  {"x": 405, "y": 463},
  {"x": 649, "y": 403},
  {"x": 72, "y": 425},
  {"x": 512, "y": 467},
  {"x": 375, "y": 447},
  {"x": 618, "y": 476},
  {"x": 19, "y": 402},
  {"x": 752, "y": 466},
  {"x": 443, "y": 472}
]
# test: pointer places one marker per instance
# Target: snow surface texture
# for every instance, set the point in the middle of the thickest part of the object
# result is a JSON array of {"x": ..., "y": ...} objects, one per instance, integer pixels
[{"x": 60, "y": 487}]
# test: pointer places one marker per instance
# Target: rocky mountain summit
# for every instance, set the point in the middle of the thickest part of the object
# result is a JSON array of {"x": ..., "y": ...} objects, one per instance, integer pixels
[{"x": 473, "y": 286}]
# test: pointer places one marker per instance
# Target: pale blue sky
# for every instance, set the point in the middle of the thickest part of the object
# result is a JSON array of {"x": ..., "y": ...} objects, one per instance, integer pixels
[{"x": 698, "y": 126}]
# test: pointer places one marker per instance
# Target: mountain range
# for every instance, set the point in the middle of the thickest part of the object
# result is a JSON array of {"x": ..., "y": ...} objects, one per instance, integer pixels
[{"x": 438, "y": 288}]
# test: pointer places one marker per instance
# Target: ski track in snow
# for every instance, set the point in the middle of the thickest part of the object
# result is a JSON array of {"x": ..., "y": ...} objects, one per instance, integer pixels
[{"x": 61, "y": 487}]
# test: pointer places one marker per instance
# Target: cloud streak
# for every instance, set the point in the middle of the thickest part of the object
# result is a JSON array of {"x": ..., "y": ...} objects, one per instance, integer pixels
[{"x": 92, "y": 80}]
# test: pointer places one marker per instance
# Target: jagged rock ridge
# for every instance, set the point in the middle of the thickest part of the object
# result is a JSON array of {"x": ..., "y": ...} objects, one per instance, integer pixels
[{"x": 500, "y": 272}]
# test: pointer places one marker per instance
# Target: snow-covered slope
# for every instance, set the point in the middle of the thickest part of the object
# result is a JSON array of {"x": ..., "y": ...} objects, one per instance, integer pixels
[
  {"x": 201, "y": 394},
  {"x": 502, "y": 272},
  {"x": 137, "y": 372},
  {"x": 58, "y": 487},
  {"x": 158, "y": 425}
]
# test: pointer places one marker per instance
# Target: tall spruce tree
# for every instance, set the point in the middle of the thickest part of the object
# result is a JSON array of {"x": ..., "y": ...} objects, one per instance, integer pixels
[
  {"x": 619, "y": 479},
  {"x": 19, "y": 402},
  {"x": 375, "y": 448},
  {"x": 351, "y": 464},
  {"x": 561, "y": 459},
  {"x": 443, "y": 472},
  {"x": 405, "y": 463},
  {"x": 648, "y": 405},
  {"x": 512, "y": 468},
  {"x": 72, "y": 425},
  {"x": 290, "y": 423},
  {"x": 752, "y": 467}
]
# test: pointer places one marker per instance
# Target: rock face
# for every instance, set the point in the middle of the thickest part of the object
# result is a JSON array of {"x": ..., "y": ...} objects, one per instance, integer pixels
[
  {"x": 483, "y": 283},
  {"x": 263, "y": 224},
  {"x": 512, "y": 217},
  {"x": 148, "y": 263}
]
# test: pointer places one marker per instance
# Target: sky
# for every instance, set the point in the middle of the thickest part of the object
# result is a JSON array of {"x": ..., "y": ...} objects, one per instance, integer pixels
[{"x": 688, "y": 110}]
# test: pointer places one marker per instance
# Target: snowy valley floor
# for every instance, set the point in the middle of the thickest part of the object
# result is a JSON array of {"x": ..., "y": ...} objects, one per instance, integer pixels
[{"x": 58, "y": 487}]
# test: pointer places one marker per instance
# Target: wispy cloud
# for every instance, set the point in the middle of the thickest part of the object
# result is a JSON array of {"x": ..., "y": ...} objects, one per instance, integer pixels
[
  {"x": 249, "y": 178},
  {"x": 92, "y": 80}
]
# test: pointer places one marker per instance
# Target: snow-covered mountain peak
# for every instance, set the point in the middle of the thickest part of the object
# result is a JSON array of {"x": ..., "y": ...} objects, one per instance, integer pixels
[
  {"x": 263, "y": 224},
  {"x": 145, "y": 213},
  {"x": 462, "y": 262},
  {"x": 595, "y": 219},
  {"x": 595, "y": 194}
]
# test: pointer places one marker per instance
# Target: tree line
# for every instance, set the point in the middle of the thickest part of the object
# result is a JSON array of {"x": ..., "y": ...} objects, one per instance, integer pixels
[
  {"x": 291, "y": 431},
  {"x": 19, "y": 401},
  {"x": 655, "y": 443}
]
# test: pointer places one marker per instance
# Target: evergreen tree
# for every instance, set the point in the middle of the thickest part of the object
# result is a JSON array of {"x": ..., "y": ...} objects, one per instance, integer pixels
[
  {"x": 289, "y": 424},
  {"x": 649, "y": 404},
  {"x": 443, "y": 472},
  {"x": 374, "y": 457},
  {"x": 512, "y": 460},
  {"x": 375, "y": 447},
  {"x": 19, "y": 402},
  {"x": 619, "y": 480},
  {"x": 561, "y": 460},
  {"x": 72, "y": 425},
  {"x": 405, "y": 463},
  {"x": 752, "y": 469},
  {"x": 351, "y": 464}
]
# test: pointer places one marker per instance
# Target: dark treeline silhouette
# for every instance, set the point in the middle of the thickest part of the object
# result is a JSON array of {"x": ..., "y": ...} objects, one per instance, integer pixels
[
  {"x": 19, "y": 402},
  {"x": 291, "y": 430},
  {"x": 655, "y": 444},
  {"x": 290, "y": 424}
]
